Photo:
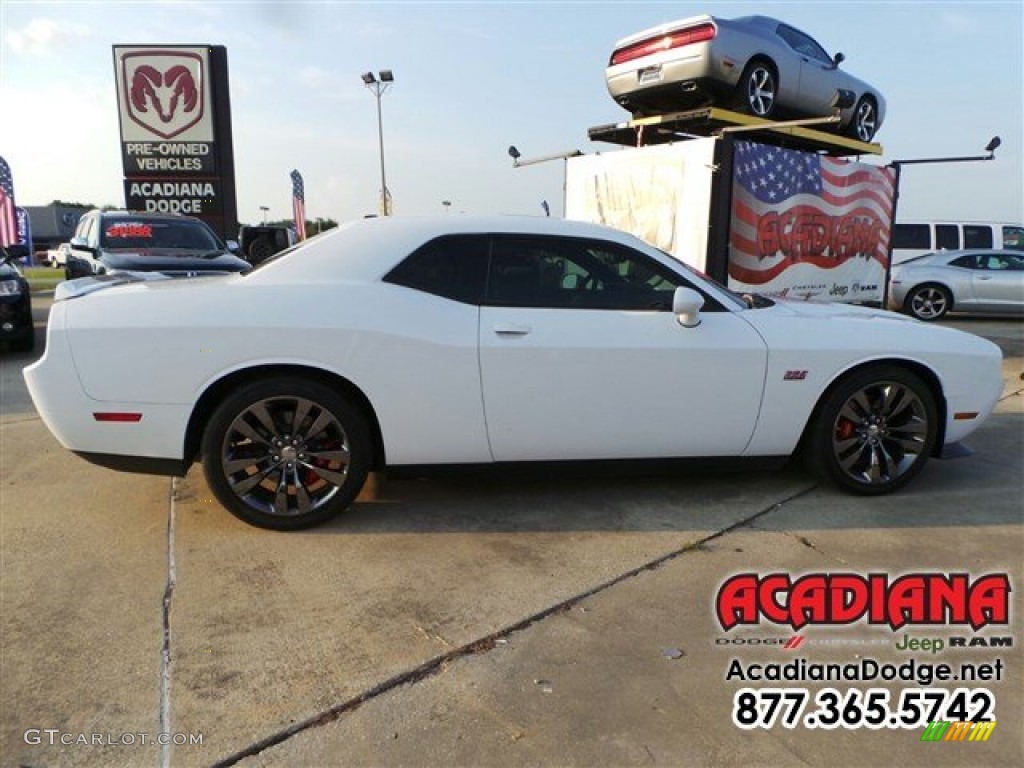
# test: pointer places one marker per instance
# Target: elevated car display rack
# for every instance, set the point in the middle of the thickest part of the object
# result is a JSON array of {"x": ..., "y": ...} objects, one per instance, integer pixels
[{"x": 713, "y": 121}]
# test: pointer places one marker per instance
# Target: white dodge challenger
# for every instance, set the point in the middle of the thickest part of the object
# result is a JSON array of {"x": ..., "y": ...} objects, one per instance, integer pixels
[{"x": 463, "y": 340}]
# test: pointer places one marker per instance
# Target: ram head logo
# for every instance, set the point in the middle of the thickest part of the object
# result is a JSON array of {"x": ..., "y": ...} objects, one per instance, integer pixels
[{"x": 163, "y": 90}]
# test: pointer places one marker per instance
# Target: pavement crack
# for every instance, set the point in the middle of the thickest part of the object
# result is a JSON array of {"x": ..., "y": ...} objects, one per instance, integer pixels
[
  {"x": 165, "y": 649},
  {"x": 439, "y": 663}
]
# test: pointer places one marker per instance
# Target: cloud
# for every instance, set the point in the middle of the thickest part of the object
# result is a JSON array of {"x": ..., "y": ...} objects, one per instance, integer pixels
[{"x": 45, "y": 36}]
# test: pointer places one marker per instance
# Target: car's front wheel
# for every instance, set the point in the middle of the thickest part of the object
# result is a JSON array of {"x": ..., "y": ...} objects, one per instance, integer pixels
[
  {"x": 865, "y": 120},
  {"x": 875, "y": 430},
  {"x": 928, "y": 302},
  {"x": 286, "y": 453}
]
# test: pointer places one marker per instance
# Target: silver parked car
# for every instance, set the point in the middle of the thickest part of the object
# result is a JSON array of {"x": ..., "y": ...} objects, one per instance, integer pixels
[
  {"x": 981, "y": 280},
  {"x": 756, "y": 64}
]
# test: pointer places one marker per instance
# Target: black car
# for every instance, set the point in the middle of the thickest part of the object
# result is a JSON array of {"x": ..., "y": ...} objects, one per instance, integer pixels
[
  {"x": 107, "y": 242},
  {"x": 15, "y": 305}
]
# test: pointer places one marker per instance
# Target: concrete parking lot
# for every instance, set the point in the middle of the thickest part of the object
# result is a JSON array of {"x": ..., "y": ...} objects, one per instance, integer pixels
[{"x": 467, "y": 620}]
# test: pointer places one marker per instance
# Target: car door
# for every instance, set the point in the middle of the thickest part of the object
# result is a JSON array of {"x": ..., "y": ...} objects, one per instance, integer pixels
[
  {"x": 998, "y": 282},
  {"x": 582, "y": 358},
  {"x": 818, "y": 73}
]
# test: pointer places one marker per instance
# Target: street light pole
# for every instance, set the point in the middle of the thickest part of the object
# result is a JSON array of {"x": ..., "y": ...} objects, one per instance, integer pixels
[{"x": 378, "y": 87}]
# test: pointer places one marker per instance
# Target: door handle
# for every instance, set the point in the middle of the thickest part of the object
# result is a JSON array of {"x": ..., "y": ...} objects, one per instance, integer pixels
[
  {"x": 984, "y": 277},
  {"x": 511, "y": 329}
]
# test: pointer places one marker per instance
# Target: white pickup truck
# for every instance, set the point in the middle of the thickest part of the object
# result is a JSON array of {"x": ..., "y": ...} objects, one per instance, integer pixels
[{"x": 58, "y": 257}]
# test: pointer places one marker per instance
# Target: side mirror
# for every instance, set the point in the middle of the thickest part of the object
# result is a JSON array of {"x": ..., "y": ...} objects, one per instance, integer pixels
[
  {"x": 686, "y": 305},
  {"x": 233, "y": 246},
  {"x": 838, "y": 59},
  {"x": 81, "y": 244}
]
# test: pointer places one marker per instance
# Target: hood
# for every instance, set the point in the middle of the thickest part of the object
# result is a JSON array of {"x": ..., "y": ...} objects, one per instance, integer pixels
[
  {"x": 826, "y": 310},
  {"x": 172, "y": 261}
]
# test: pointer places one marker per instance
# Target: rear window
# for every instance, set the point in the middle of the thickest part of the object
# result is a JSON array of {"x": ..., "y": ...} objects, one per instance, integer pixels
[{"x": 158, "y": 233}]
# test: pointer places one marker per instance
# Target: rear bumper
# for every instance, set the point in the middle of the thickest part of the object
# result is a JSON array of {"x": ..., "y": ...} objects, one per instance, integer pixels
[
  {"x": 687, "y": 77},
  {"x": 70, "y": 414}
]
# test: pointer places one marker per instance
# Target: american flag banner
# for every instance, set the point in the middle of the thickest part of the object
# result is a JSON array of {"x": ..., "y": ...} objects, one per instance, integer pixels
[
  {"x": 8, "y": 211},
  {"x": 805, "y": 225},
  {"x": 299, "y": 205}
]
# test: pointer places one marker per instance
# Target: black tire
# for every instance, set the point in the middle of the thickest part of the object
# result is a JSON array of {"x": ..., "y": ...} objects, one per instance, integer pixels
[
  {"x": 874, "y": 431},
  {"x": 864, "y": 124},
  {"x": 286, "y": 453},
  {"x": 260, "y": 249},
  {"x": 758, "y": 89},
  {"x": 928, "y": 302}
]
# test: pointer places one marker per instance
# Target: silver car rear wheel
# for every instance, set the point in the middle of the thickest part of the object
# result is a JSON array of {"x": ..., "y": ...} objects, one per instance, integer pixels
[
  {"x": 757, "y": 89},
  {"x": 928, "y": 302}
]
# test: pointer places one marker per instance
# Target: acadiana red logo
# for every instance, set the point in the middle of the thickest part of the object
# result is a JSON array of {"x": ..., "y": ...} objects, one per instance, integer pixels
[
  {"x": 847, "y": 598},
  {"x": 163, "y": 90}
]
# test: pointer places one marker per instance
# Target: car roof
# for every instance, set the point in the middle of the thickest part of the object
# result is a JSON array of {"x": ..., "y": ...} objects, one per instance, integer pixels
[{"x": 368, "y": 248}]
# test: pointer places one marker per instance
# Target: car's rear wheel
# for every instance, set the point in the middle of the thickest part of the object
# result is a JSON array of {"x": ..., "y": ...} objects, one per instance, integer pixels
[
  {"x": 928, "y": 302},
  {"x": 875, "y": 431},
  {"x": 757, "y": 89},
  {"x": 865, "y": 120},
  {"x": 287, "y": 453}
]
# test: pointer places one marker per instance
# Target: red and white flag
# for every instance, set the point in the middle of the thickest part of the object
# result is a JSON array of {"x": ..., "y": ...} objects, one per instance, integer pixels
[
  {"x": 299, "y": 205},
  {"x": 8, "y": 211}
]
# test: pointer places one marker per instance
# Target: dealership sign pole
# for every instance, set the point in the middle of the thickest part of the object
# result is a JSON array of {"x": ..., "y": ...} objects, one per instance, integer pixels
[{"x": 175, "y": 118}]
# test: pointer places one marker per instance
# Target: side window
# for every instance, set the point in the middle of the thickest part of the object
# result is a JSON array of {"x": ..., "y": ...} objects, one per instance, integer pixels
[
  {"x": 453, "y": 266},
  {"x": 967, "y": 262},
  {"x": 1014, "y": 263},
  {"x": 566, "y": 273},
  {"x": 84, "y": 224},
  {"x": 977, "y": 236},
  {"x": 804, "y": 45},
  {"x": 947, "y": 236},
  {"x": 92, "y": 225},
  {"x": 998, "y": 262},
  {"x": 911, "y": 236}
]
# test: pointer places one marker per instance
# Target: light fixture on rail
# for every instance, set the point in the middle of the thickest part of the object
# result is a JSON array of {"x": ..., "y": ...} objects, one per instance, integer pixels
[{"x": 991, "y": 147}]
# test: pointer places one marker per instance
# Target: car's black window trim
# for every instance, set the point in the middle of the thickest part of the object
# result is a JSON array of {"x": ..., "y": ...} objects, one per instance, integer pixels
[
  {"x": 401, "y": 273},
  {"x": 711, "y": 303}
]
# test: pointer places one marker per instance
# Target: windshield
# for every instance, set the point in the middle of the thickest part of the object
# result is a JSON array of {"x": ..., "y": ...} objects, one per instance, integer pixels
[{"x": 159, "y": 234}]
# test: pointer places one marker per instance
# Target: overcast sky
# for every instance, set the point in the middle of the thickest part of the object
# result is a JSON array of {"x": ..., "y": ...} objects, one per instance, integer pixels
[{"x": 471, "y": 79}]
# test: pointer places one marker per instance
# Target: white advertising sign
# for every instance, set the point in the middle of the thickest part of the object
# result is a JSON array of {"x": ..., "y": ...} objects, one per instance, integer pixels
[
  {"x": 661, "y": 194},
  {"x": 163, "y": 94}
]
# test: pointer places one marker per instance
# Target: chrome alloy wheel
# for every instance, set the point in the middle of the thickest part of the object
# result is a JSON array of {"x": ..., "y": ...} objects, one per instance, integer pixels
[
  {"x": 929, "y": 303},
  {"x": 880, "y": 433},
  {"x": 866, "y": 120},
  {"x": 761, "y": 91},
  {"x": 285, "y": 456}
]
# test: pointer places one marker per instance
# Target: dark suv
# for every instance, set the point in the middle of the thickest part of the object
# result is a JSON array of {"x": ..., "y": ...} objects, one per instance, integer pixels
[
  {"x": 15, "y": 302},
  {"x": 107, "y": 242}
]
